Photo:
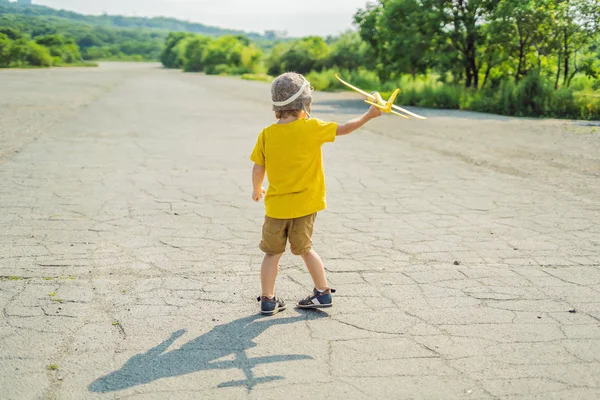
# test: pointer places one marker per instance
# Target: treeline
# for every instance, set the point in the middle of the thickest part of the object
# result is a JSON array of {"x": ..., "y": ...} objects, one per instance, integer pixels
[
  {"x": 515, "y": 57},
  {"x": 531, "y": 94},
  {"x": 236, "y": 55},
  {"x": 512, "y": 57},
  {"x": 481, "y": 42},
  {"x": 19, "y": 50},
  {"x": 228, "y": 55},
  {"x": 117, "y": 21},
  {"x": 94, "y": 42},
  {"x": 106, "y": 37}
]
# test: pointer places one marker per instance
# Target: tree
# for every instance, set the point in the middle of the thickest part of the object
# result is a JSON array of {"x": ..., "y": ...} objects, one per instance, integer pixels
[
  {"x": 523, "y": 21},
  {"x": 251, "y": 57},
  {"x": 303, "y": 55},
  {"x": 226, "y": 51},
  {"x": 413, "y": 35},
  {"x": 38, "y": 55},
  {"x": 349, "y": 52},
  {"x": 10, "y": 33},
  {"x": 172, "y": 55},
  {"x": 459, "y": 25},
  {"x": 194, "y": 53},
  {"x": 406, "y": 37},
  {"x": 273, "y": 61},
  {"x": 5, "y": 50},
  {"x": 62, "y": 49},
  {"x": 578, "y": 22}
]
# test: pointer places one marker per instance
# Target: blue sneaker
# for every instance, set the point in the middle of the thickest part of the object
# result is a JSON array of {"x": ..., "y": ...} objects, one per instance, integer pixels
[
  {"x": 317, "y": 299},
  {"x": 270, "y": 306}
]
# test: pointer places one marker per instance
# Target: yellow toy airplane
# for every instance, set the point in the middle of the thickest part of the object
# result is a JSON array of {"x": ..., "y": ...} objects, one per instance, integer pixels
[{"x": 376, "y": 100}]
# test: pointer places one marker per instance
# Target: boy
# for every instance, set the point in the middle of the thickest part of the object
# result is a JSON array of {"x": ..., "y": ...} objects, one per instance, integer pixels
[{"x": 290, "y": 154}]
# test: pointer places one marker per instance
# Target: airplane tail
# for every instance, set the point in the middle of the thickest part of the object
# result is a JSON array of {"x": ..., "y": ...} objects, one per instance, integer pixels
[{"x": 392, "y": 99}]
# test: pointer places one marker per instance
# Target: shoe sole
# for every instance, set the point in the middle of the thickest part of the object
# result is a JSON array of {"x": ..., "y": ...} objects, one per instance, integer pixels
[
  {"x": 314, "y": 305},
  {"x": 275, "y": 311}
]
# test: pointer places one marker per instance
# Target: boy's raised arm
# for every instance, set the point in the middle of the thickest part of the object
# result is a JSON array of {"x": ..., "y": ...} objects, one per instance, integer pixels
[
  {"x": 354, "y": 124},
  {"x": 258, "y": 176}
]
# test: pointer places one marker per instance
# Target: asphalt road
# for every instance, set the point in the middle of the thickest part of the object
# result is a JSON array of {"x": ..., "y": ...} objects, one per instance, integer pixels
[{"x": 464, "y": 248}]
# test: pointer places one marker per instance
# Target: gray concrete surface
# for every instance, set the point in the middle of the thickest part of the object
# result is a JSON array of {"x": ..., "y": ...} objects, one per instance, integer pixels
[{"x": 465, "y": 249}]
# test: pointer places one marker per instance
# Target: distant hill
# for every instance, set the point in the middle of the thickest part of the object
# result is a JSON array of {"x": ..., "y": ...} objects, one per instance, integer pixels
[{"x": 118, "y": 21}]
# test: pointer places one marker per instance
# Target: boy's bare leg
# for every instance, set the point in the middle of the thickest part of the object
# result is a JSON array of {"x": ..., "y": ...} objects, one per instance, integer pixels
[
  {"x": 268, "y": 274},
  {"x": 316, "y": 268}
]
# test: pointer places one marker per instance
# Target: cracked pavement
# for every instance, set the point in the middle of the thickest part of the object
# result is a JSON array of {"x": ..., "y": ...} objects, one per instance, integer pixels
[{"x": 465, "y": 249}]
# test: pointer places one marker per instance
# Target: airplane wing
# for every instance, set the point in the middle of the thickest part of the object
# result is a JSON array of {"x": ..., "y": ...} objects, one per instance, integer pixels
[
  {"x": 395, "y": 107},
  {"x": 368, "y": 95},
  {"x": 374, "y": 99}
]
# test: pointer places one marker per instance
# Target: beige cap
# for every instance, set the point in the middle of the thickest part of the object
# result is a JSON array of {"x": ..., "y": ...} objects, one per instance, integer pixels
[{"x": 291, "y": 91}]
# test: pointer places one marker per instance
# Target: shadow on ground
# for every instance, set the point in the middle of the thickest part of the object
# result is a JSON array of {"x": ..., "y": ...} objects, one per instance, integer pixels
[{"x": 202, "y": 353}]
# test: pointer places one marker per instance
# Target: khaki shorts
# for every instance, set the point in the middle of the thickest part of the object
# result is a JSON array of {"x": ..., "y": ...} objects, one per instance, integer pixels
[{"x": 276, "y": 233}]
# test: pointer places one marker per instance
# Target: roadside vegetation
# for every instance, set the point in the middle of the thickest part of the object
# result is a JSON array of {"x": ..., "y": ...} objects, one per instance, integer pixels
[
  {"x": 526, "y": 58},
  {"x": 19, "y": 50}
]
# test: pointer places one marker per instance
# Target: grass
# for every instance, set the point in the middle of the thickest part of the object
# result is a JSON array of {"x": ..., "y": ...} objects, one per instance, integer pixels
[
  {"x": 56, "y": 299},
  {"x": 52, "y": 367},
  {"x": 11, "y": 278},
  {"x": 533, "y": 96},
  {"x": 61, "y": 65},
  {"x": 115, "y": 323},
  {"x": 78, "y": 64},
  {"x": 126, "y": 59},
  {"x": 258, "y": 77}
]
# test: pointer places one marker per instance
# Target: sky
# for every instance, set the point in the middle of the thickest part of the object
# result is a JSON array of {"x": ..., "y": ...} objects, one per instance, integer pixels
[{"x": 298, "y": 18}]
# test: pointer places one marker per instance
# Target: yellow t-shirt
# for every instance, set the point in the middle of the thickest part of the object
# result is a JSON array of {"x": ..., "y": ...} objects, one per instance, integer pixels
[{"x": 291, "y": 154}]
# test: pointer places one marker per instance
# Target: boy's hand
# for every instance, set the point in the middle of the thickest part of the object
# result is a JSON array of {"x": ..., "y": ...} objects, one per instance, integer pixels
[
  {"x": 256, "y": 196},
  {"x": 374, "y": 112}
]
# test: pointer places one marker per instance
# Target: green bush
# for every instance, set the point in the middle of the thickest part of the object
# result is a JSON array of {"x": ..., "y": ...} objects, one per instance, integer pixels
[
  {"x": 589, "y": 106},
  {"x": 302, "y": 56},
  {"x": 22, "y": 53},
  {"x": 173, "y": 54},
  {"x": 507, "y": 98},
  {"x": 348, "y": 52},
  {"x": 324, "y": 80},
  {"x": 442, "y": 96},
  {"x": 483, "y": 101},
  {"x": 62, "y": 50},
  {"x": 194, "y": 52},
  {"x": 562, "y": 103},
  {"x": 531, "y": 96},
  {"x": 38, "y": 56},
  {"x": 218, "y": 69},
  {"x": 5, "y": 50}
]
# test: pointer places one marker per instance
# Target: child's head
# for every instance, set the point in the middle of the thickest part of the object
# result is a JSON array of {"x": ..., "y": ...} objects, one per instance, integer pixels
[{"x": 291, "y": 94}]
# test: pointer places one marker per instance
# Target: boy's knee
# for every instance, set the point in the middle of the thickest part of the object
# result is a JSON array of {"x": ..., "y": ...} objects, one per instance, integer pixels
[
  {"x": 273, "y": 255},
  {"x": 302, "y": 252}
]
